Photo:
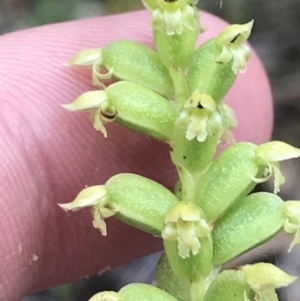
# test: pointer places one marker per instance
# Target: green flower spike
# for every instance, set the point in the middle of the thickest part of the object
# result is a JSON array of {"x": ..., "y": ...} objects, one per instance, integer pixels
[
  {"x": 200, "y": 117},
  {"x": 263, "y": 279},
  {"x": 270, "y": 154},
  {"x": 172, "y": 16},
  {"x": 95, "y": 196},
  {"x": 230, "y": 46},
  {"x": 184, "y": 224},
  {"x": 292, "y": 222}
]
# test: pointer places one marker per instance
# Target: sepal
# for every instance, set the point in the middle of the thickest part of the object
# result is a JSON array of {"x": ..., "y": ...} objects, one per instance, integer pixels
[
  {"x": 96, "y": 197},
  {"x": 95, "y": 102},
  {"x": 270, "y": 154},
  {"x": 292, "y": 221}
]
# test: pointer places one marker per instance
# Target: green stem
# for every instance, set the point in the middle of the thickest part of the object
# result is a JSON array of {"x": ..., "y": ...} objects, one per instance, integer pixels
[{"x": 180, "y": 85}]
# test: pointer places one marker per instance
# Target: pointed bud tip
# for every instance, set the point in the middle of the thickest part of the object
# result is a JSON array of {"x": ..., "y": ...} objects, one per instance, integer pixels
[{"x": 67, "y": 207}]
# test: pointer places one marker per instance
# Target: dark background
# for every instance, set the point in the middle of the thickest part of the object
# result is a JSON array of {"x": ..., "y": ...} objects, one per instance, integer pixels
[{"x": 276, "y": 38}]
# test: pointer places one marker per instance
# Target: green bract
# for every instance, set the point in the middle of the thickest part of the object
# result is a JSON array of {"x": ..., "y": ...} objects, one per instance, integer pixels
[
  {"x": 131, "y": 105},
  {"x": 253, "y": 220},
  {"x": 127, "y": 60}
]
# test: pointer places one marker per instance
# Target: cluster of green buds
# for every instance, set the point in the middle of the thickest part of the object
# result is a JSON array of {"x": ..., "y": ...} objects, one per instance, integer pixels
[{"x": 175, "y": 94}]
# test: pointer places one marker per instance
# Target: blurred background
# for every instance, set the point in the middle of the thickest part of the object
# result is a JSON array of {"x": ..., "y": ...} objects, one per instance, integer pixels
[{"x": 276, "y": 38}]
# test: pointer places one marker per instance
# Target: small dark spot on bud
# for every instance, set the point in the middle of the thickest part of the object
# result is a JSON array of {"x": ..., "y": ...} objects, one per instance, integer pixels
[
  {"x": 184, "y": 157},
  {"x": 199, "y": 106},
  {"x": 238, "y": 268},
  {"x": 171, "y": 1},
  {"x": 234, "y": 39},
  {"x": 109, "y": 115}
]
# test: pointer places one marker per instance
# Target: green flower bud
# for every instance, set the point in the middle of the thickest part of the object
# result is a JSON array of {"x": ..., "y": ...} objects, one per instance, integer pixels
[
  {"x": 175, "y": 28},
  {"x": 264, "y": 278},
  {"x": 197, "y": 132},
  {"x": 207, "y": 76},
  {"x": 144, "y": 292},
  {"x": 230, "y": 46},
  {"x": 200, "y": 118},
  {"x": 127, "y": 60},
  {"x": 185, "y": 225},
  {"x": 169, "y": 282},
  {"x": 187, "y": 242},
  {"x": 131, "y": 105},
  {"x": 252, "y": 221},
  {"x": 229, "y": 285},
  {"x": 135, "y": 200},
  {"x": 171, "y": 17}
]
